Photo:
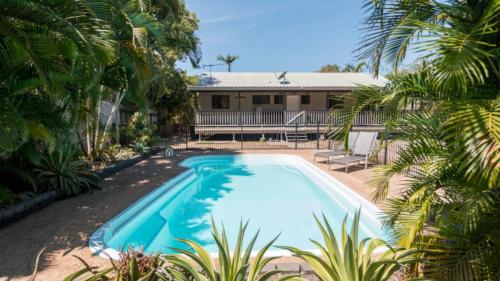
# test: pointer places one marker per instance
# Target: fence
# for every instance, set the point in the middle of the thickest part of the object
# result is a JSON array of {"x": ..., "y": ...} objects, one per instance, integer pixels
[{"x": 284, "y": 137}]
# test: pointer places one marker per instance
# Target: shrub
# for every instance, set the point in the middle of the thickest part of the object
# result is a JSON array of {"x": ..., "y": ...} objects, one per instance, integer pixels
[
  {"x": 139, "y": 147},
  {"x": 237, "y": 266},
  {"x": 61, "y": 170},
  {"x": 132, "y": 266},
  {"x": 7, "y": 197},
  {"x": 349, "y": 260},
  {"x": 138, "y": 130}
]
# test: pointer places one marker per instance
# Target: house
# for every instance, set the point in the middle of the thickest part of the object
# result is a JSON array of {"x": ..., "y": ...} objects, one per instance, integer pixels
[{"x": 267, "y": 102}]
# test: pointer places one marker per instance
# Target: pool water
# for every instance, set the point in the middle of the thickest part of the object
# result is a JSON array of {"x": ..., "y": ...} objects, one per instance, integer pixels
[{"x": 277, "y": 194}]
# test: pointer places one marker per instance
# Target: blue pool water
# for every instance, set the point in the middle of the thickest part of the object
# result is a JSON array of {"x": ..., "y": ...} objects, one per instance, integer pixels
[{"x": 276, "y": 193}]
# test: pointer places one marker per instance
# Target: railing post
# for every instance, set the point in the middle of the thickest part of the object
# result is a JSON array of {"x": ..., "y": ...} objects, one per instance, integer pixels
[
  {"x": 317, "y": 135},
  {"x": 296, "y": 132}
]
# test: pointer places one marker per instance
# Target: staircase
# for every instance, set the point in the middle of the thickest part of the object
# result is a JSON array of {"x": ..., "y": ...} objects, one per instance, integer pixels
[{"x": 295, "y": 137}]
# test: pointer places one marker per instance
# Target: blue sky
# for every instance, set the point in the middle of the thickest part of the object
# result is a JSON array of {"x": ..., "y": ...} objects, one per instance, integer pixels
[{"x": 278, "y": 35}]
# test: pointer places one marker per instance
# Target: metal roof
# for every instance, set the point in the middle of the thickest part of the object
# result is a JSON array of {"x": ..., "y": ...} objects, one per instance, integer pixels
[{"x": 293, "y": 81}]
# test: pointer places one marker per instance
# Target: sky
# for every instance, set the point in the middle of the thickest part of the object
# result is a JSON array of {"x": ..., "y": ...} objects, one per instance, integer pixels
[{"x": 277, "y": 35}]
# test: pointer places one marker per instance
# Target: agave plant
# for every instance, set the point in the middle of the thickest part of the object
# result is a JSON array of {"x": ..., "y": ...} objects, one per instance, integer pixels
[
  {"x": 132, "y": 266},
  {"x": 235, "y": 266},
  {"x": 346, "y": 259},
  {"x": 61, "y": 170}
]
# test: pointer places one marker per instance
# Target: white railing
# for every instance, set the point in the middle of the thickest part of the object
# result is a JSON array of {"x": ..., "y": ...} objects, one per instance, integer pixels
[{"x": 284, "y": 118}]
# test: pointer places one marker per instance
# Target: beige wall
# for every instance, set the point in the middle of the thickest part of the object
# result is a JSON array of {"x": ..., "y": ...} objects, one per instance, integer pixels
[{"x": 318, "y": 101}]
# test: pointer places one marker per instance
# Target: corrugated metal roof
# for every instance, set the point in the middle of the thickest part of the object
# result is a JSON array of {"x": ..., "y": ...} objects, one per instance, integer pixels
[{"x": 294, "y": 81}]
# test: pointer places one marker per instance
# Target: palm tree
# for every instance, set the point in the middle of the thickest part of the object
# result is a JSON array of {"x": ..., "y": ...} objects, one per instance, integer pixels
[
  {"x": 354, "y": 68},
  {"x": 40, "y": 47},
  {"x": 228, "y": 59},
  {"x": 450, "y": 203},
  {"x": 59, "y": 61}
]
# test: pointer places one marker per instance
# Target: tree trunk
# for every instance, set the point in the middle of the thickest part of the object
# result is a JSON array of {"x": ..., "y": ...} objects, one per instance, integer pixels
[{"x": 116, "y": 104}]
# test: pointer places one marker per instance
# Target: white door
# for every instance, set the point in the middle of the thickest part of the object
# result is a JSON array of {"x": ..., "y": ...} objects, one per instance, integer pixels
[{"x": 293, "y": 103}]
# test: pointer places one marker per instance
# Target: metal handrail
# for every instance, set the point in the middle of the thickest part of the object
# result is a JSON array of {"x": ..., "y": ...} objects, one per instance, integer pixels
[{"x": 295, "y": 117}]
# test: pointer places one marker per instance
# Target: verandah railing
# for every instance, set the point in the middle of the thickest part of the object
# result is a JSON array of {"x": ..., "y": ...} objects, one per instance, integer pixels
[{"x": 280, "y": 118}]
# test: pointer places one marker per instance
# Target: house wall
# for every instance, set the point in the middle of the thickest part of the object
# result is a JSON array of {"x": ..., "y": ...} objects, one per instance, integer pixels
[{"x": 318, "y": 101}]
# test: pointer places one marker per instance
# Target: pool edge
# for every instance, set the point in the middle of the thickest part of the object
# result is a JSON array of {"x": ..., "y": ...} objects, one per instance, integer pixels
[{"x": 98, "y": 247}]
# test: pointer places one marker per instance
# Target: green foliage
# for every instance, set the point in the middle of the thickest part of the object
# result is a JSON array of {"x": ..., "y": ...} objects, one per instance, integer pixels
[
  {"x": 228, "y": 60},
  {"x": 347, "y": 68},
  {"x": 132, "y": 266},
  {"x": 61, "y": 170},
  {"x": 139, "y": 134},
  {"x": 61, "y": 60},
  {"x": 230, "y": 267},
  {"x": 346, "y": 258},
  {"x": 7, "y": 198},
  {"x": 330, "y": 68},
  {"x": 449, "y": 203},
  {"x": 176, "y": 104}
]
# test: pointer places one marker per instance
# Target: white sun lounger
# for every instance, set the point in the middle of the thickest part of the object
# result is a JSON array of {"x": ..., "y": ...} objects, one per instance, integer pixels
[
  {"x": 361, "y": 152},
  {"x": 327, "y": 153}
]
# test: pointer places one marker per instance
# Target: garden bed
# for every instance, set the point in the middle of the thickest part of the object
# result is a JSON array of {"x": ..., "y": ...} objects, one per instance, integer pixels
[{"x": 26, "y": 207}]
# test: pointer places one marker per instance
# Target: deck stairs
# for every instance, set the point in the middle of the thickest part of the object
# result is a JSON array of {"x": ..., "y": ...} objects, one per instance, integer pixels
[{"x": 300, "y": 136}]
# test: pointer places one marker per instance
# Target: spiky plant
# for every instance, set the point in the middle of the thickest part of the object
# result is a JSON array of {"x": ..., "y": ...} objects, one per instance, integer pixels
[
  {"x": 346, "y": 258},
  {"x": 133, "y": 265},
  {"x": 62, "y": 171},
  {"x": 231, "y": 266}
]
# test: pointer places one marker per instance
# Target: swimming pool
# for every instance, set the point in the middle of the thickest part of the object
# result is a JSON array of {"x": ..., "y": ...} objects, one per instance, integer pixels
[{"x": 276, "y": 193}]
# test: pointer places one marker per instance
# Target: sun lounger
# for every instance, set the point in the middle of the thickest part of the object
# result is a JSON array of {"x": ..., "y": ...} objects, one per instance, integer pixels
[
  {"x": 361, "y": 152},
  {"x": 327, "y": 153}
]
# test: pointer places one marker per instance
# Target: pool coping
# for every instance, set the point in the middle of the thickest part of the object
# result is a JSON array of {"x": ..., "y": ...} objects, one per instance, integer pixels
[{"x": 97, "y": 246}]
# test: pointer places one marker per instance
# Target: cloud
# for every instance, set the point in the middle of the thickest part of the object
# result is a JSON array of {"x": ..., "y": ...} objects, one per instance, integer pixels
[
  {"x": 233, "y": 18},
  {"x": 221, "y": 19}
]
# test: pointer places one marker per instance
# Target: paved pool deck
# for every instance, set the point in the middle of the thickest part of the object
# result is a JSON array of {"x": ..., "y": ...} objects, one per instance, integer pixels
[{"x": 64, "y": 227}]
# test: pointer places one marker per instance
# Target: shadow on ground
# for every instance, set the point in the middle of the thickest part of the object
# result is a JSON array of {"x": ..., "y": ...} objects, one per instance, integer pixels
[{"x": 64, "y": 227}]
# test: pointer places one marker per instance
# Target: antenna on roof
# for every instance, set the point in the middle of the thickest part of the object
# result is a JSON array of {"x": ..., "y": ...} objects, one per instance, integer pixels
[
  {"x": 209, "y": 66},
  {"x": 282, "y": 77}
]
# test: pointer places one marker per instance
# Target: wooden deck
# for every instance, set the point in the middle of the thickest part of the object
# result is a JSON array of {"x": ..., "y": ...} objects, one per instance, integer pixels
[{"x": 255, "y": 122}]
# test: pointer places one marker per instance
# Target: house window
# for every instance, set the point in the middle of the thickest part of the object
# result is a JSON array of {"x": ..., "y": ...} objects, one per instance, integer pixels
[
  {"x": 220, "y": 102},
  {"x": 261, "y": 99},
  {"x": 305, "y": 99},
  {"x": 278, "y": 99},
  {"x": 336, "y": 102}
]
